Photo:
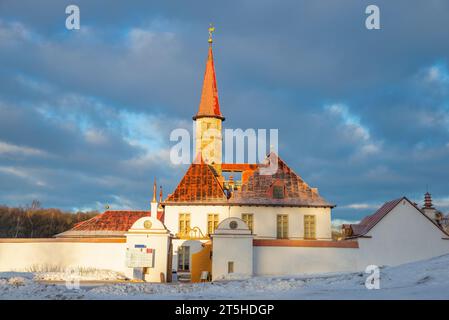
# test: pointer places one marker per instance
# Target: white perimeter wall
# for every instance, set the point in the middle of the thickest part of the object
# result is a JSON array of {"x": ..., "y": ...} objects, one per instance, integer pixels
[
  {"x": 22, "y": 256},
  {"x": 237, "y": 249},
  {"x": 295, "y": 260}
]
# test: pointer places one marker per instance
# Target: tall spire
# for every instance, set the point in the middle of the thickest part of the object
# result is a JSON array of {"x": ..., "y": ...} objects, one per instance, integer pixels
[
  {"x": 154, "y": 191},
  {"x": 153, "y": 204},
  {"x": 209, "y": 105}
]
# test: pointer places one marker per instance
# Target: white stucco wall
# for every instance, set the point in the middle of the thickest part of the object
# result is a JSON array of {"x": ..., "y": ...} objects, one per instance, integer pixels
[
  {"x": 403, "y": 235},
  {"x": 298, "y": 260},
  {"x": 232, "y": 245},
  {"x": 16, "y": 256},
  {"x": 156, "y": 237},
  {"x": 264, "y": 218},
  {"x": 228, "y": 248}
]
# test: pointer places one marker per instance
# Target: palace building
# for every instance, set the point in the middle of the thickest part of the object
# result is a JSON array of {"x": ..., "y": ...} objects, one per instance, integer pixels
[
  {"x": 275, "y": 206},
  {"x": 280, "y": 205},
  {"x": 227, "y": 219}
]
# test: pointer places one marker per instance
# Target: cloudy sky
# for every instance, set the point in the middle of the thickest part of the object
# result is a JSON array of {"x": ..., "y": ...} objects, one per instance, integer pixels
[{"x": 85, "y": 115}]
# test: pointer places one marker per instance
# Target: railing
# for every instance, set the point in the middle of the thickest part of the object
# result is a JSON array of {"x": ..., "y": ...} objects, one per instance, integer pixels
[{"x": 191, "y": 234}]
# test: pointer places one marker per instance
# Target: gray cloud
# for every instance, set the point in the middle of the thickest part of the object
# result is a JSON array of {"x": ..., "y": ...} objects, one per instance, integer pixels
[{"x": 81, "y": 100}]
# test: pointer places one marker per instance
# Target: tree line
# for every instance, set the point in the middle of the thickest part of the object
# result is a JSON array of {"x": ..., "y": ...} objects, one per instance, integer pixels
[{"x": 36, "y": 222}]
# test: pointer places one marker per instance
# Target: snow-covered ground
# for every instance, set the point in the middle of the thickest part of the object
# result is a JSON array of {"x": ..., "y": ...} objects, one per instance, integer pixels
[
  {"x": 419, "y": 280},
  {"x": 79, "y": 274}
]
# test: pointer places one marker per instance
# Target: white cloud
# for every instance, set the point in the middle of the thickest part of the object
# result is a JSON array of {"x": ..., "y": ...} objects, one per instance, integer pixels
[
  {"x": 96, "y": 137},
  {"x": 23, "y": 174},
  {"x": 355, "y": 130},
  {"x": 121, "y": 203},
  {"x": 12, "y": 32},
  {"x": 437, "y": 73},
  {"x": 361, "y": 206},
  {"x": 441, "y": 202},
  {"x": 140, "y": 39},
  {"x": 337, "y": 223},
  {"x": 11, "y": 149}
]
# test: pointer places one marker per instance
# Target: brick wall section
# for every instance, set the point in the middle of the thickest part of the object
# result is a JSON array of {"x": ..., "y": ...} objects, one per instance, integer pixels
[{"x": 304, "y": 243}]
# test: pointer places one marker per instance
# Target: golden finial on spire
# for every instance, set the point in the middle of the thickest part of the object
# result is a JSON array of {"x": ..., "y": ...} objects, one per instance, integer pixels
[{"x": 211, "y": 30}]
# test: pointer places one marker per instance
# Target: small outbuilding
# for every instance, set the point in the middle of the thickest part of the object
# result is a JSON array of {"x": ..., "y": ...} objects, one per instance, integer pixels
[{"x": 398, "y": 232}]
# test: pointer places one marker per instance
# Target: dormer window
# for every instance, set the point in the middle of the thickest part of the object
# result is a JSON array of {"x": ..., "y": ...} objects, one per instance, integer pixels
[{"x": 278, "y": 192}]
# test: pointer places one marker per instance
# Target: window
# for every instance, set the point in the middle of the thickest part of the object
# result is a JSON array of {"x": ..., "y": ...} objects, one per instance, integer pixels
[
  {"x": 282, "y": 226},
  {"x": 248, "y": 218},
  {"x": 278, "y": 192},
  {"x": 230, "y": 266},
  {"x": 309, "y": 227},
  {"x": 184, "y": 258},
  {"x": 212, "y": 223},
  {"x": 184, "y": 223}
]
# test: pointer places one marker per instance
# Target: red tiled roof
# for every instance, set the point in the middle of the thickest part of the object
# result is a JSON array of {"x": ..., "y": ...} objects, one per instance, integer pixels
[
  {"x": 109, "y": 223},
  {"x": 199, "y": 184},
  {"x": 370, "y": 221},
  {"x": 238, "y": 167},
  {"x": 258, "y": 189},
  {"x": 112, "y": 221},
  {"x": 209, "y": 105}
]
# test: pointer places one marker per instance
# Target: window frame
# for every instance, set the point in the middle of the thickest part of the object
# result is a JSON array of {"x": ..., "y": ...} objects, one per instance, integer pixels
[
  {"x": 183, "y": 258},
  {"x": 310, "y": 226},
  {"x": 184, "y": 223},
  {"x": 250, "y": 224},
  {"x": 282, "y": 226},
  {"x": 212, "y": 222}
]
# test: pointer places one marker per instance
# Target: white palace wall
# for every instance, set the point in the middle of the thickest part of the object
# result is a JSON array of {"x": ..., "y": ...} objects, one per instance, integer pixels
[
  {"x": 384, "y": 244},
  {"x": 25, "y": 254},
  {"x": 264, "y": 218},
  {"x": 303, "y": 260}
]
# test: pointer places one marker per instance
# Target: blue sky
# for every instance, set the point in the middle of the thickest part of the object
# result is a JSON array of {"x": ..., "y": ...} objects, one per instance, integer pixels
[{"x": 85, "y": 115}]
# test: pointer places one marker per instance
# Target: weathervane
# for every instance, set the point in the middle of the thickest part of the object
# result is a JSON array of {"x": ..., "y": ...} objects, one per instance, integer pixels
[{"x": 211, "y": 30}]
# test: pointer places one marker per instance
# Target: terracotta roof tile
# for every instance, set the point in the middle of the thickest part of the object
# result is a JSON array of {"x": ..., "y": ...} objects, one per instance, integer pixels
[
  {"x": 109, "y": 223},
  {"x": 199, "y": 184},
  {"x": 258, "y": 189},
  {"x": 370, "y": 221}
]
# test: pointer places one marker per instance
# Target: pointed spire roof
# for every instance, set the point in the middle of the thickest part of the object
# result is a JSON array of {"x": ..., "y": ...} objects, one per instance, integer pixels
[
  {"x": 154, "y": 191},
  {"x": 209, "y": 105},
  {"x": 160, "y": 194}
]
